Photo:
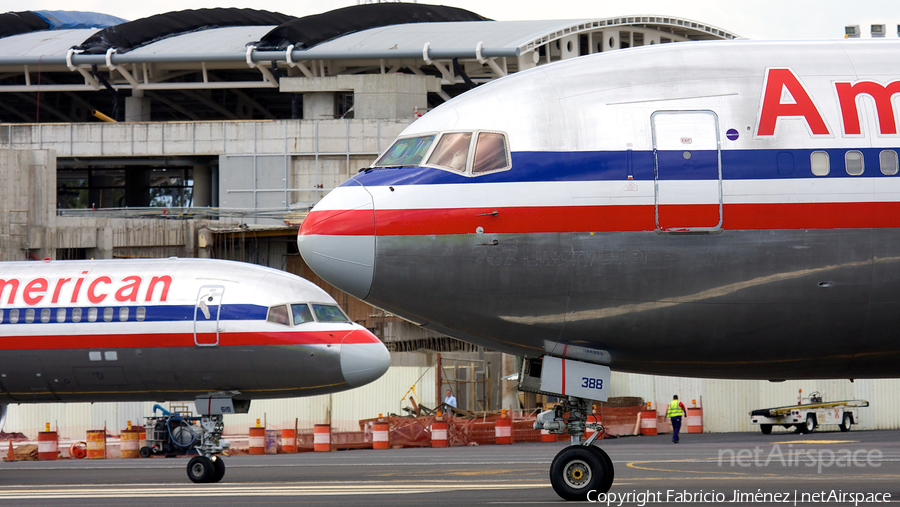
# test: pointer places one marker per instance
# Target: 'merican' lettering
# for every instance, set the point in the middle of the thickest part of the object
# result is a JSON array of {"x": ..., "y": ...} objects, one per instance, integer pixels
[
  {"x": 128, "y": 289},
  {"x": 882, "y": 96},
  {"x": 777, "y": 80}
]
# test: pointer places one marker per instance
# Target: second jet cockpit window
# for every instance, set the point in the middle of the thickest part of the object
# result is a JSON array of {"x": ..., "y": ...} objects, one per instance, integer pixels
[
  {"x": 329, "y": 313},
  {"x": 278, "y": 315},
  {"x": 301, "y": 313}
]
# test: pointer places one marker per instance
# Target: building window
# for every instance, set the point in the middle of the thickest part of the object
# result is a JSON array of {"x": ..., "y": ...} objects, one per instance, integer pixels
[
  {"x": 888, "y": 161},
  {"x": 820, "y": 162},
  {"x": 853, "y": 160}
]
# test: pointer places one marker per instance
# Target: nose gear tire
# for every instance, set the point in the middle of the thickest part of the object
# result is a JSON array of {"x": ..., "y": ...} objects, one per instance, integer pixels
[{"x": 578, "y": 470}]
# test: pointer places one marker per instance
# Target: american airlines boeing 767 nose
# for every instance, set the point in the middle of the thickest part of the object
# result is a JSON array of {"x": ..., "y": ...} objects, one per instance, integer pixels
[{"x": 337, "y": 239}]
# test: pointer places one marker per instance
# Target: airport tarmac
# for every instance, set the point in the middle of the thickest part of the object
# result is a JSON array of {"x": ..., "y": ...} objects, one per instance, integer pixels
[{"x": 708, "y": 467}]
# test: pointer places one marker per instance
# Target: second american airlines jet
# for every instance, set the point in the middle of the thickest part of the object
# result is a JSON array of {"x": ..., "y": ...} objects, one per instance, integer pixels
[
  {"x": 220, "y": 332},
  {"x": 712, "y": 209}
]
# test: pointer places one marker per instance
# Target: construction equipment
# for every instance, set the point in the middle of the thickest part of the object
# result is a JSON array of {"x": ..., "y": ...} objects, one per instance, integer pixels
[{"x": 809, "y": 414}]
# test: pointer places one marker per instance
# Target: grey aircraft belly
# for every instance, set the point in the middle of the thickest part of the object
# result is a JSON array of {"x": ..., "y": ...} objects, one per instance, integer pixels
[{"x": 741, "y": 304}]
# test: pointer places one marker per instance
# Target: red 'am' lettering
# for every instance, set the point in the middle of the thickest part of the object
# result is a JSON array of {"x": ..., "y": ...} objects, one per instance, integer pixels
[
  {"x": 772, "y": 108},
  {"x": 166, "y": 281},
  {"x": 92, "y": 295},
  {"x": 34, "y": 291},
  {"x": 882, "y": 95},
  {"x": 13, "y": 288},
  {"x": 132, "y": 289}
]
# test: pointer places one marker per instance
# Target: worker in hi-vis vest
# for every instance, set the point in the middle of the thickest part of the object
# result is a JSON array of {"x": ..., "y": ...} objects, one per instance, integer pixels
[{"x": 676, "y": 410}]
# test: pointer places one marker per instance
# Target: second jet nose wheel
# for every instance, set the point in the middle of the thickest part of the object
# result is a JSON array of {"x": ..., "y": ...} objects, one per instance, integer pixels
[
  {"x": 200, "y": 469},
  {"x": 578, "y": 470}
]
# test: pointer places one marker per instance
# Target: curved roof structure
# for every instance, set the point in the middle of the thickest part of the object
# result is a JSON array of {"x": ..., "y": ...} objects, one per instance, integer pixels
[{"x": 245, "y": 53}]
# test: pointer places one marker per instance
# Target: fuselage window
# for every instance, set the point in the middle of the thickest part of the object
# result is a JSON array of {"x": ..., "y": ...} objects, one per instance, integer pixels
[
  {"x": 329, "y": 313},
  {"x": 490, "y": 153},
  {"x": 123, "y": 314},
  {"x": 888, "y": 161},
  {"x": 14, "y": 316},
  {"x": 76, "y": 315},
  {"x": 45, "y": 315},
  {"x": 820, "y": 163},
  {"x": 92, "y": 315},
  {"x": 29, "y": 315},
  {"x": 107, "y": 314},
  {"x": 141, "y": 314},
  {"x": 1, "y": 316},
  {"x": 853, "y": 160},
  {"x": 301, "y": 313},
  {"x": 406, "y": 151},
  {"x": 278, "y": 315},
  {"x": 61, "y": 315},
  {"x": 452, "y": 151}
]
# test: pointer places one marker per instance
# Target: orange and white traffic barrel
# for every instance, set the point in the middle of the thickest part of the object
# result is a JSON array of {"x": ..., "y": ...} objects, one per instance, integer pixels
[
  {"x": 289, "y": 441},
  {"x": 503, "y": 431},
  {"x": 648, "y": 422},
  {"x": 381, "y": 436},
  {"x": 695, "y": 420},
  {"x": 322, "y": 438},
  {"x": 130, "y": 443},
  {"x": 439, "y": 434},
  {"x": 257, "y": 441},
  {"x": 96, "y": 444},
  {"x": 48, "y": 445}
]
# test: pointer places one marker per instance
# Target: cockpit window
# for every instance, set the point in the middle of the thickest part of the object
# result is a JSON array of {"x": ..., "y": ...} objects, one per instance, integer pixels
[
  {"x": 490, "y": 153},
  {"x": 329, "y": 313},
  {"x": 278, "y": 315},
  {"x": 406, "y": 151},
  {"x": 301, "y": 313},
  {"x": 452, "y": 151}
]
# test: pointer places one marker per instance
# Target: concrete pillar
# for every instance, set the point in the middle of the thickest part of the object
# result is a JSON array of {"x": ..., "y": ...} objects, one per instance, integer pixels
[
  {"x": 137, "y": 107},
  {"x": 510, "y": 399},
  {"x": 319, "y": 106},
  {"x": 610, "y": 40},
  {"x": 202, "y": 192}
]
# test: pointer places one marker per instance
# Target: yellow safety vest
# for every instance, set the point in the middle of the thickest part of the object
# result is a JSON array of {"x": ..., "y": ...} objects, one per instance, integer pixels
[{"x": 674, "y": 409}]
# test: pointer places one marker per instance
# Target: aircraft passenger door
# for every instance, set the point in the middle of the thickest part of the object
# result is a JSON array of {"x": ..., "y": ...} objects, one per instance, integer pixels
[
  {"x": 206, "y": 315},
  {"x": 688, "y": 171}
]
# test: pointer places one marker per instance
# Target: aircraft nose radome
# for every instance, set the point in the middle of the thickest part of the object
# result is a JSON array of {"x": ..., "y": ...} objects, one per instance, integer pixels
[
  {"x": 337, "y": 239},
  {"x": 362, "y": 363}
]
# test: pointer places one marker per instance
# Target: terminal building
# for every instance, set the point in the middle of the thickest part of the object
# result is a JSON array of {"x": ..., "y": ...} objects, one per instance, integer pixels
[{"x": 210, "y": 133}]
